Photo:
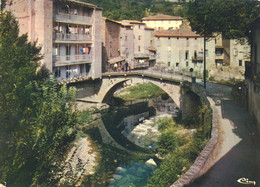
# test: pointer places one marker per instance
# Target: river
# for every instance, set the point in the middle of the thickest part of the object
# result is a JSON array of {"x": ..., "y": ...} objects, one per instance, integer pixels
[{"x": 127, "y": 168}]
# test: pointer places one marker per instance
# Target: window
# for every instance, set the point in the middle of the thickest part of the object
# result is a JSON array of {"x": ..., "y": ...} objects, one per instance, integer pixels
[
  {"x": 151, "y": 42},
  {"x": 177, "y": 64},
  {"x": 187, "y": 63},
  {"x": 169, "y": 41},
  {"x": 219, "y": 51},
  {"x": 75, "y": 11},
  {"x": 196, "y": 42},
  {"x": 186, "y": 55},
  {"x": 139, "y": 26},
  {"x": 240, "y": 63},
  {"x": 158, "y": 42},
  {"x": 177, "y": 42},
  {"x": 125, "y": 38},
  {"x": 67, "y": 50},
  {"x": 169, "y": 64},
  {"x": 139, "y": 48},
  {"x": 235, "y": 52},
  {"x": 187, "y": 42},
  {"x": 57, "y": 73},
  {"x": 139, "y": 37},
  {"x": 195, "y": 54}
]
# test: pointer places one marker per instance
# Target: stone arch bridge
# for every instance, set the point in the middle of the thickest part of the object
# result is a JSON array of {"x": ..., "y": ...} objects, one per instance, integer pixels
[{"x": 102, "y": 90}]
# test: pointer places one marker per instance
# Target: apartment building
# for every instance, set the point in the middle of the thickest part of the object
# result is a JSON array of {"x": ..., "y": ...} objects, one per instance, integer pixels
[
  {"x": 163, "y": 22},
  {"x": 69, "y": 32}
]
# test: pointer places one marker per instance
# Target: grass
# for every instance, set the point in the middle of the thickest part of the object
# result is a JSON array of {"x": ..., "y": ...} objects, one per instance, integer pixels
[{"x": 140, "y": 91}]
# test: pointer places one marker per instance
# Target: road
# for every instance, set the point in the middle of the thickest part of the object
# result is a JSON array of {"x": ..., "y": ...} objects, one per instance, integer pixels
[{"x": 239, "y": 153}]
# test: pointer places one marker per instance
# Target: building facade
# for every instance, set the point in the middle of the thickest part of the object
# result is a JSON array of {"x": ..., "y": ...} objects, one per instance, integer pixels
[
  {"x": 69, "y": 33},
  {"x": 163, "y": 22},
  {"x": 253, "y": 73},
  {"x": 179, "y": 50},
  {"x": 110, "y": 44}
]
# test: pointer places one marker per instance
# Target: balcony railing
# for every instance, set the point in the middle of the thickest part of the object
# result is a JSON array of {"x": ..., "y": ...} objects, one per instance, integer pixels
[
  {"x": 152, "y": 57},
  {"x": 219, "y": 56},
  {"x": 71, "y": 59},
  {"x": 63, "y": 17},
  {"x": 197, "y": 58},
  {"x": 141, "y": 55},
  {"x": 72, "y": 37}
]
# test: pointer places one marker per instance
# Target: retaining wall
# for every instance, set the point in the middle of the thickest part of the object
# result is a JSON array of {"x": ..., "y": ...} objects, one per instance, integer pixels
[{"x": 203, "y": 162}]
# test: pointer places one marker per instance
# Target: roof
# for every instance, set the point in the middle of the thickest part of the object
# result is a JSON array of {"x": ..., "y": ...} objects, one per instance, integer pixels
[
  {"x": 116, "y": 59},
  {"x": 129, "y": 22},
  {"x": 82, "y": 3},
  {"x": 162, "y": 17},
  {"x": 111, "y": 20},
  {"x": 148, "y": 28},
  {"x": 176, "y": 33}
]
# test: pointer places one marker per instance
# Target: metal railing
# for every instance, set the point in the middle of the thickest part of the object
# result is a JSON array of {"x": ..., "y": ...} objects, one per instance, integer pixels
[
  {"x": 63, "y": 17},
  {"x": 72, "y": 59},
  {"x": 72, "y": 37}
]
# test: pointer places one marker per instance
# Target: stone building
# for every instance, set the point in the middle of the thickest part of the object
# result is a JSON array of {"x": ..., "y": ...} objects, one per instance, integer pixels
[
  {"x": 110, "y": 44},
  {"x": 163, "y": 22},
  {"x": 179, "y": 50},
  {"x": 69, "y": 33},
  {"x": 253, "y": 73}
]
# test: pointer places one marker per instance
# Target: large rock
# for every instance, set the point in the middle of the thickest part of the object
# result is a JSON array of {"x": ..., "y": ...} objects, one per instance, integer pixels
[{"x": 151, "y": 162}]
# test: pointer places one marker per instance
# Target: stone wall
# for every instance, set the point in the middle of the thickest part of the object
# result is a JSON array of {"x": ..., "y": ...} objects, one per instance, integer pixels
[
  {"x": 254, "y": 101},
  {"x": 203, "y": 162}
]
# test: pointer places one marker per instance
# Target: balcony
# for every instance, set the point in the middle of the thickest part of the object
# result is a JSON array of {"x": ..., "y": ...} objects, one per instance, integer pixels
[
  {"x": 152, "y": 57},
  {"x": 219, "y": 56},
  {"x": 141, "y": 55},
  {"x": 72, "y": 38},
  {"x": 71, "y": 18},
  {"x": 197, "y": 59},
  {"x": 71, "y": 59}
]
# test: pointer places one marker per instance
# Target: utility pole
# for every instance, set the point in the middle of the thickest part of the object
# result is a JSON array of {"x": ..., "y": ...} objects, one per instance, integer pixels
[{"x": 204, "y": 70}]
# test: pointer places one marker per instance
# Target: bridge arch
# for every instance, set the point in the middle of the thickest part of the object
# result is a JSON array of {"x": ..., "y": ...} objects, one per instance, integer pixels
[{"x": 110, "y": 85}]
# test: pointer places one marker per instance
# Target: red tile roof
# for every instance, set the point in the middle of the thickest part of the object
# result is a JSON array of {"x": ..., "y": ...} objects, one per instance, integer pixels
[
  {"x": 176, "y": 33},
  {"x": 162, "y": 17}
]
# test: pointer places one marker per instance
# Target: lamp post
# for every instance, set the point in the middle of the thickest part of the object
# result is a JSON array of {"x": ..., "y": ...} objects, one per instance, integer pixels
[{"x": 204, "y": 70}]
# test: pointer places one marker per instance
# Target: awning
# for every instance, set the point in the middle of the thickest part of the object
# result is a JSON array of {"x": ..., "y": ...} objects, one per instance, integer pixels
[
  {"x": 151, "y": 49},
  {"x": 219, "y": 47},
  {"x": 116, "y": 59}
]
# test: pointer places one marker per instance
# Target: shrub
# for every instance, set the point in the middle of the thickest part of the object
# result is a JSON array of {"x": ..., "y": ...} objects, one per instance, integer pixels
[{"x": 167, "y": 142}]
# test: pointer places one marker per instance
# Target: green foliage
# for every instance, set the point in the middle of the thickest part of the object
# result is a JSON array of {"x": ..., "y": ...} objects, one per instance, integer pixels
[
  {"x": 136, "y": 10},
  {"x": 164, "y": 124},
  {"x": 140, "y": 91},
  {"x": 168, "y": 171},
  {"x": 37, "y": 116},
  {"x": 167, "y": 142},
  {"x": 231, "y": 18},
  {"x": 179, "y": 151},
  {"x": 84, "y": 117}
]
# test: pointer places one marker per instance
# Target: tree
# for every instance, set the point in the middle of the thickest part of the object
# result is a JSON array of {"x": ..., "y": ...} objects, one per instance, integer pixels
[
  {"x": 37, "y": 116},
  {"x": 230, "y": 18}
]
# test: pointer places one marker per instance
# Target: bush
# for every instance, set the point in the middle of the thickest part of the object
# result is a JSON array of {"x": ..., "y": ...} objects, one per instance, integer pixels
[
  {"x": 84, "y": 117},
  {"x": 165, "y": 123},
  {"x": 167, "y": 142},
  {"x": 168, "y": 171}
]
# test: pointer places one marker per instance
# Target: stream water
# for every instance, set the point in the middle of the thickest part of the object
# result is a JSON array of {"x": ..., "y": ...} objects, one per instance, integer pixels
[{"x": 119, "y": 168}]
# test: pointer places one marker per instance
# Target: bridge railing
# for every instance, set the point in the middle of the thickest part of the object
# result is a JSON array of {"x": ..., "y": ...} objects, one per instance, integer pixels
[{"x": 158, "y": 74}]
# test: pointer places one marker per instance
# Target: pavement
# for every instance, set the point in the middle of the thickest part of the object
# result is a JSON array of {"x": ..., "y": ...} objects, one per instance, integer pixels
[{"x": 239, "y": 150}]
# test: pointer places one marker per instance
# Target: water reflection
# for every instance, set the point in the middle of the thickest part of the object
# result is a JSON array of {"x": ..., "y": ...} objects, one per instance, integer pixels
[{"x": 135, "y": 174}]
